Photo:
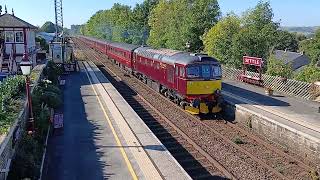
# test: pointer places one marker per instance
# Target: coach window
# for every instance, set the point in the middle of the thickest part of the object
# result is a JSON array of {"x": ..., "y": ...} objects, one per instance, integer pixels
[
  {"x": 177, "y": 71},
  {"x": 158, "y": 66}
]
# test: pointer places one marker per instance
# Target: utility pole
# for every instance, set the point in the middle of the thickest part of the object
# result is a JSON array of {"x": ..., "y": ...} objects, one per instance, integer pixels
[{"x": 59, "y": 24}]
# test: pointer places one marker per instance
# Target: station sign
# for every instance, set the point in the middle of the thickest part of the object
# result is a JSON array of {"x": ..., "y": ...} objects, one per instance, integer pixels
[{"x": 254, "y": 61}]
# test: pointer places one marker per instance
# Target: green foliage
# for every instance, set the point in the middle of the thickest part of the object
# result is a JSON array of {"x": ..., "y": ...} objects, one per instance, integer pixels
[
  {"x": 48, "y": 27},
  {"x": 121, "y": 23},
  {"x": 43, "y": 43},
  {"x": 218, "y": 41},
  {"x": 27, "y": 161},
  {"x": 287, "y": 41},
  {"x": 309, "y": 74},
  {"x": 276, "y": 67},
  {"x": 183, "y": 22},
  {"x": 311, "y": 47},
  {"x": 11, "y": 91},
  {"x": 52, "y": 72}
]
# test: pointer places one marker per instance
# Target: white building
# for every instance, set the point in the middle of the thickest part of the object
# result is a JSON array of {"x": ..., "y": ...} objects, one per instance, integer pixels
[{"x": 16, "y": 38}]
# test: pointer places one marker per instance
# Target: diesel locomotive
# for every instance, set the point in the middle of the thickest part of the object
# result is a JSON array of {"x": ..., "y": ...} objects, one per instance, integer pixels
[{"x": 192, "y": 81}]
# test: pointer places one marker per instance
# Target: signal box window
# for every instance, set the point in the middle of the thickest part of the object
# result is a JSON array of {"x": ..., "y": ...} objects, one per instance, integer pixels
[
  {"x": 10, "y": 36},
  {"x": 19, "y": 37}
]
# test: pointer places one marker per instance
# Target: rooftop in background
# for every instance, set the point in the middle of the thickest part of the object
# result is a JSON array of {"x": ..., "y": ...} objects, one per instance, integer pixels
[
  {"x": 297, "y": 60},
  {"x": 11, "y": 21}
]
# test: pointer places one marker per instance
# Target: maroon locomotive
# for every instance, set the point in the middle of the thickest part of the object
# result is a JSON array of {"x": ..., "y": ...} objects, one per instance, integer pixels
[{"x": 193, "y": 81}]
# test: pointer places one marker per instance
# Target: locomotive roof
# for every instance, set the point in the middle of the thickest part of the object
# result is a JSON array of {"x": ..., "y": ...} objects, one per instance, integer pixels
[{"x": 172, "y": 56}]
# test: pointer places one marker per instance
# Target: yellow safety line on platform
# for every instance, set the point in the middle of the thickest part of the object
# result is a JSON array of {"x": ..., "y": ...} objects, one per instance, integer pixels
[{"x": 124, "y": 155}]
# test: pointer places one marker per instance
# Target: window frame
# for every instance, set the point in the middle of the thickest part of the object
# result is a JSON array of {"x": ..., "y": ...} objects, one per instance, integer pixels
[
  {"x": 13, "y": 36},
  {"x": 22, "y": 36}
]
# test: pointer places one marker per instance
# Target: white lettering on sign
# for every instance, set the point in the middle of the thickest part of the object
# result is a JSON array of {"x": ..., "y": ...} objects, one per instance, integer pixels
[{"x": 252, "y": 61}]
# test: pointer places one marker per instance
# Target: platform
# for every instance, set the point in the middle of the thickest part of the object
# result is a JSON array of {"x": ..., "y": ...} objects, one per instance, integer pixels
[
  {"x": 103, "y": 138},
  {"x": 293, "y": 123},
  {"x": 303, "y": 112}
]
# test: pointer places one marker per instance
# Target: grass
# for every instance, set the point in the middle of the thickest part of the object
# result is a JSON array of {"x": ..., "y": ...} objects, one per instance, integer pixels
[{"x": 238, "y": 140}]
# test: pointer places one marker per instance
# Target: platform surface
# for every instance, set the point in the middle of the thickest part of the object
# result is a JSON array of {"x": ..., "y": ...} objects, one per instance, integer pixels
[
  {"x": 302, "y": 112},
  {"x": 95, "y": 144}
]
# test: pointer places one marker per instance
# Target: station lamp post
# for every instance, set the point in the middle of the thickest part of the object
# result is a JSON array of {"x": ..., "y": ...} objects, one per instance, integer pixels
[{"x": 26, "y": 67}]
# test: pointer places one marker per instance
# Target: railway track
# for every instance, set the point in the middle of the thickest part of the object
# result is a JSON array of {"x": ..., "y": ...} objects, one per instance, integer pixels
[{"x": 225, "y": 149}]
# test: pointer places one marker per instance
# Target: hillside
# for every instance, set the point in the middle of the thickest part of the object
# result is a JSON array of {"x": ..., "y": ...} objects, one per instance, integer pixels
[{"x": 304, "y": 30}]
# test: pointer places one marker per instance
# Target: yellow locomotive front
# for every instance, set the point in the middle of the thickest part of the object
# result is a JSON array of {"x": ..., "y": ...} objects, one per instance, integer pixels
[{"x": 203, "y": 88}]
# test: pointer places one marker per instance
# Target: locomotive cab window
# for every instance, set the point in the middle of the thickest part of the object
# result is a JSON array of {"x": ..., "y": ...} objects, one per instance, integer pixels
[
  {"x": 206, "y": 72},
  {"x": 216, "y": 71},
  {"x": 193, "y": 72}
]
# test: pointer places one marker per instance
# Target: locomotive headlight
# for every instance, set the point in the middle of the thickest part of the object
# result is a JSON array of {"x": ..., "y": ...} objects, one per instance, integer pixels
[{"x": 218, "y": 91}]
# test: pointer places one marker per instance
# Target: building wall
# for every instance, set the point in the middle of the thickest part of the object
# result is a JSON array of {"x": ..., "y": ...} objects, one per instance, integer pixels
[{"x": 31, "y": 45}]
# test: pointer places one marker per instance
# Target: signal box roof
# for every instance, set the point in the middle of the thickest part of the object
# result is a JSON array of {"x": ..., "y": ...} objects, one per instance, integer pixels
[
  {"x": 172, "y": 56},
  {"x": 11, "y": 21}
]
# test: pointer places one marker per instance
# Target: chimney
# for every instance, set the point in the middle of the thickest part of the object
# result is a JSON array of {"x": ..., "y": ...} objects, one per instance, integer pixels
[
  {"x": 5, "y": 9},
  {"x": 12, "y": 12}
]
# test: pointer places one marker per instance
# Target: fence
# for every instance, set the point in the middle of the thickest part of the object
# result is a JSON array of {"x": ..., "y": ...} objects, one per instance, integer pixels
[
  {"x": 289, "y": 87},
  {"x": 8, "y": 143}
]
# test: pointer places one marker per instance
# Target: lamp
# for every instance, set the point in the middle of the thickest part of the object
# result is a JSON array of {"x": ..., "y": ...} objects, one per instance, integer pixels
[{"x": 26, "y": 67}]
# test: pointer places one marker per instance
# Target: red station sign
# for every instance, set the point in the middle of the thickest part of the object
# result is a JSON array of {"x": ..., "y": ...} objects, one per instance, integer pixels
[{"x": 252, "y": 61}]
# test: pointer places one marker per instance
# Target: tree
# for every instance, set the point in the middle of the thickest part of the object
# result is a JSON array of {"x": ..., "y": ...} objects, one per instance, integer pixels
[
  {"x": 258, "y": 35},
  {"x": 218, "y": 41},
  {"x": 311, "y": 47},
  {"x": 309, "y": 74},
  {"x": 287, "y": 41},
  {"x": 174, "y": 23},
  {"x": 48, "y": 27},
  {"x": 277, "y": 67}
]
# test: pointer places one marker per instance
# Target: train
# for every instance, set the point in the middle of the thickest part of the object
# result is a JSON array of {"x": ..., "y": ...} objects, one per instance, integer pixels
[{"x": 191, "y": 80}]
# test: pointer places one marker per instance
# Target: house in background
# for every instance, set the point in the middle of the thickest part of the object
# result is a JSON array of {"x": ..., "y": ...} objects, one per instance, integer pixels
[
  {"x": 297, "y": 60},
  {"x": 16, "y": 38}
]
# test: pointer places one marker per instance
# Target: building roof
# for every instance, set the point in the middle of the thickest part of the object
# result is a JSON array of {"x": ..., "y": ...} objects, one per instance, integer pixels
[
  {"x": 297, "y": 60},
  {"x": 10, "y": 21}
]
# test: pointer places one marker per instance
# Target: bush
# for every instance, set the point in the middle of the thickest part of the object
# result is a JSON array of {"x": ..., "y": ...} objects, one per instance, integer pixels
[
  {"x": 27, "y": 161},
  {"x": 52, "y": 72},
  {"x": 276, "y": 67},
  {"x": 52, "y": 99},
  {"x": 309, "y": 74}
]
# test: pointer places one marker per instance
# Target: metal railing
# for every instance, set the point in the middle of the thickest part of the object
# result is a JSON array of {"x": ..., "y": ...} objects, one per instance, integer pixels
[{"x": 289, "y": 87}]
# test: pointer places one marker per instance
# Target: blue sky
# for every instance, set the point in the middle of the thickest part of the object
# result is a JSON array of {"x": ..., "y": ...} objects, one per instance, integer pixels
[{"x": 288, "y": 12}]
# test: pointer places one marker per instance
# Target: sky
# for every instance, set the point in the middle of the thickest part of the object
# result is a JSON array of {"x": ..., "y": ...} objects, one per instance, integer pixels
[{"x": 37, "y": 12}]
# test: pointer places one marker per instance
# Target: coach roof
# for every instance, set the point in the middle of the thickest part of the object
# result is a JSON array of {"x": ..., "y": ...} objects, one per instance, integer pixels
[
  {"x": 125, "y": 46},
  {"x": 172, "y": 56}
]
